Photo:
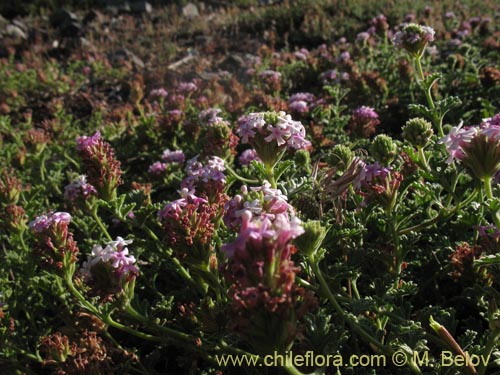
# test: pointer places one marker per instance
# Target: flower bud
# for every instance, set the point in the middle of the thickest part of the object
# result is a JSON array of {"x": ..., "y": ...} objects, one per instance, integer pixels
[
  {"x": 417, "y": 132},
  {"x": 303, "y": 159},
  {"x": 314, "y": 235},
  {"x": 340, "y": 157},
  {"x": 383, "y": 149}
]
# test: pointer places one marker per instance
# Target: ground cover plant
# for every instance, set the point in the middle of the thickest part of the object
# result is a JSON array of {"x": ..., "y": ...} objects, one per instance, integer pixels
[{"x": 251, "y": 180}]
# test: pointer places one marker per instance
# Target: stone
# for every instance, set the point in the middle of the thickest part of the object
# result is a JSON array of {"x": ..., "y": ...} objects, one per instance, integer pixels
[
  {"x": 141, "y": 7},
  {"x": 62, "y": 16},
  {"x": 3, "y": 23},
  {"x": 124, "y": 54},
  {"x": 15, "y": 32},
  {"x": 93, "y": 16},
  {"x": 232, "y": 63},
  {"x": 66, "y": 23},
  {"x": 190, "y": 11}
]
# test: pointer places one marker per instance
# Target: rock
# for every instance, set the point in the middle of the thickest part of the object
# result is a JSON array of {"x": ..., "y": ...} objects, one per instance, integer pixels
[
  {"x": 3, "y": 23},
  {"x": 91, "y": 16},
  {"x": 232, "y": 63},
  {"x": 62, "y": 16},
  {"x": 124, "y": 55},
  {"x": 141, "y": 7},
  {"x": 117, "y": 6},
  {"x": 15, "y": 32},
  {"x": 190, "y": 11},
  {"x": 66, "y": 22}
]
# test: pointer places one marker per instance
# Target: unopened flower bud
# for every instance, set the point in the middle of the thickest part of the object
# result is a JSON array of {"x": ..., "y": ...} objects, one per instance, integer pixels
[
  {"x": 303, "y": 159},
  {"x": 417, "y": 132},
  {"x": 340, "y": 157},
  {"x": 383, "y": 149},
  {"x": 310, "y": 242}
]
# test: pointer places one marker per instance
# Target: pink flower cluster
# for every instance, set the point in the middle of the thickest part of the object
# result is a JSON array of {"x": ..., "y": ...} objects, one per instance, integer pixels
[
  {"x": 260, "y": 201},
  {"x": 187, "y": 88},
  {"x": 281, "y": 130},
  {"x": 363, "y": 122},
  {"x": 173, "y": 210},
  {"x": 52, "y": 220},
  {"x": 477, "y": 147},
  {"x": 210, "y": 116},
  {"x": 160, "y": 92},
  {"x": 259, "y": 266},
  {"x": 217, "y": 137},
  {"x": 206, "y": 178},
  {"x": 333, "y": 75},
  {"x": 301, "y": 102},
  {"x": 116, "y": 254},
  {"x": 79, "y": 188},
  {"x": 458, "y": 139},
  {"x": 247, "y": 157},
  {"x": 110, "y": 271},
  {"x": 377, "y": 183},
  {"x": 101, "y": 167},
  {"x": 173, "y": 156},
  {"x": 168, "y": 157},
  {"x": 188, "y": 223},
  {"x": 370, "y": 174},
  {"x": 413, "y": 38},
  {"x": 54, "y": 244}
]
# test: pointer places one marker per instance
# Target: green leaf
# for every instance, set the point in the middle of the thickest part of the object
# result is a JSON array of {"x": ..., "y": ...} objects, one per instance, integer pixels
[
  {"x": 419, "y": 109},
  {"x": 447, "y": 104},
  {"x": 488, "y": 260}
]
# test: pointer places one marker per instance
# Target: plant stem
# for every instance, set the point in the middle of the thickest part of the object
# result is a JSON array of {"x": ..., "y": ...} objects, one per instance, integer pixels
[
  {"x": 489, "y": 195},
  {"x": 100, "y": 223},
  {"x": 106, "y": 319},
  {"x": 270, "y": 176},
  {"x": 423, "y": 159},
  {"x": 355, "y": 327},
  {"x": 430, "y": 102},
  {"x": 241, "y": 178},
  {"x": 167, "y": 331},
  {"x": 290, "y": 368},
  {"x": 490, "y": 345}
]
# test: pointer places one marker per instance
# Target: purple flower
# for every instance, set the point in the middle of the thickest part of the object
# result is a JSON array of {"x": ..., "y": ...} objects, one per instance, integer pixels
[
  {"x": 455, "y": 140},
  {"x": 263, "y": 201},
  {"x": 413, "y": 38},
  {"x": 299, "y": 106},
  {"x": 283, "y": 130},
  {"x": 84, "y": 143},
  {"x": 477, "y": 147},
  {"x": 362, "y": 37},
  {"x": 161, "y": 92},
  {"x": 304, "y": 96},
  {"x": 116, "y": 254},
  {"x": 44, "y": 222},
  {"x": 300, "y": 55},
  {"x": 344, "y": 56},
  {"x": 370, "y": 173},
  {"x": 210, "y": 116},
  {"x": 486, "y": 231},
  {"x": 157, "y": 168},
  {"x": 78, "y": 187},
  {"x": 410, "y": 17},
  {"x": 208, "y": 178},
  {"x": 365, "y": 113},
  {"x": 187, "y": 88},
  {"x": 173, "y": 156},
  {"x": 248, "y": 156}
]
